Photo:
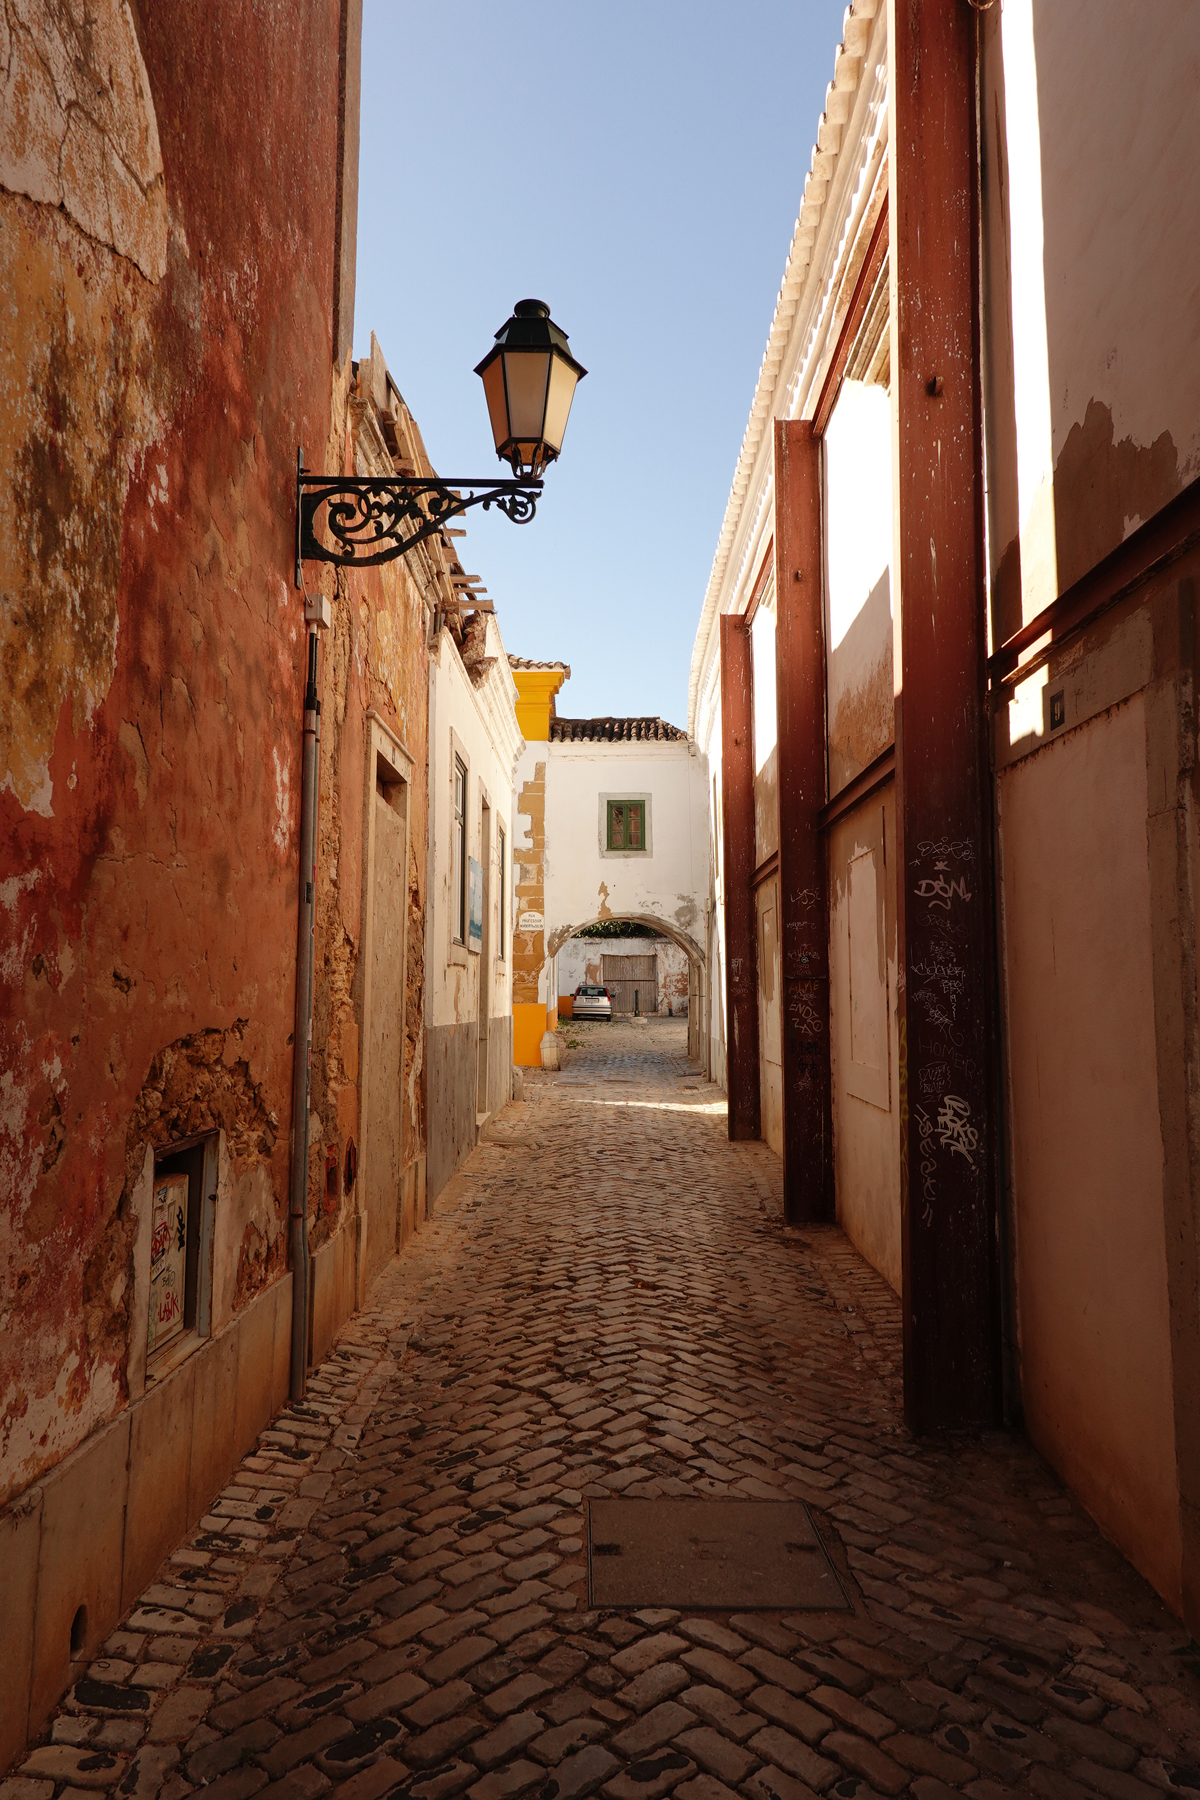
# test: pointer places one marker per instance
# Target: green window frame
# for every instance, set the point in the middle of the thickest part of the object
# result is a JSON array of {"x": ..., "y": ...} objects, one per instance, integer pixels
[{"x": 626, "y": 825}]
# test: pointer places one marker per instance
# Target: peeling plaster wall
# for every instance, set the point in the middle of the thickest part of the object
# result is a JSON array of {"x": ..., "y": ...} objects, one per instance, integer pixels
[
  {"x": 1092, "y": 284},
  {"x": 474, "y": 717},
  {"x": 165, "y": 347},
  {"x": 1091, "y": 415},
  {"x": 375, "y": 659},
  {"x": 1091, "y": 340},
  {"x": 666, "y": 887},
  {"x": 581, "y": 959}
]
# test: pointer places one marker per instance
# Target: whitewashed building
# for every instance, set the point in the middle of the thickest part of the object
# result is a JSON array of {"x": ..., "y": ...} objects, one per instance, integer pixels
[
  {"x": 474, "y": 742},
  {"x": 611, "y": 822},
  {"x": 644, "y": 974}
]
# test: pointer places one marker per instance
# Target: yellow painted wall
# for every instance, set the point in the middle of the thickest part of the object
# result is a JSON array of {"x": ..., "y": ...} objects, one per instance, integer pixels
[
  {"x": 529, "y": 1023},
  {"x": 536, "y": 689}
]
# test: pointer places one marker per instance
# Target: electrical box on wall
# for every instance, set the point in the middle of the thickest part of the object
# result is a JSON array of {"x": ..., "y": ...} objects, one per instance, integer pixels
[{"x": 317, "y": 611}]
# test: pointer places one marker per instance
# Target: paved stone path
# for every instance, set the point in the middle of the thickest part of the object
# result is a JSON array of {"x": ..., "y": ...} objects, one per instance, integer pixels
[{"x": 390, "y": 1598}]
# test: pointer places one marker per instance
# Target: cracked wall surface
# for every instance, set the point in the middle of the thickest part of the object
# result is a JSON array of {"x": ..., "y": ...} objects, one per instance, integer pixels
[
  {"x": 166, "y": 343},
  {"x": 374, "y": 658}
]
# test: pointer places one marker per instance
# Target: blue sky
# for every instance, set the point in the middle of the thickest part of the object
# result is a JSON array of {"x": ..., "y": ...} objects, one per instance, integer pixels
[{"x": 638, "y": 167}]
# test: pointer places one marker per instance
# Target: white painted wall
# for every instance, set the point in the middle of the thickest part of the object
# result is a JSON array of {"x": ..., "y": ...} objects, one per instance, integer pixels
[
  {"x": 857, "y": 459},
  {"x": 579, "y": 960},
  {"x": 483, "y": 722},
  {"x": 584, "y": 881},
  {"x": 1090, "y": 304}
]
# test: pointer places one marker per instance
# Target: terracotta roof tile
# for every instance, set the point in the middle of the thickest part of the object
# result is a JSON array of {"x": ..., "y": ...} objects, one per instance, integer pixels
[
  {"x": 615, "y": 731},
  {"x": 525, "y": 662}
]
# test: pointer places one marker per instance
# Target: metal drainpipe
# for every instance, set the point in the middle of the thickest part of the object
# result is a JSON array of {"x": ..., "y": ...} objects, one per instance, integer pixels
[{"x": 302, "y": 1040}]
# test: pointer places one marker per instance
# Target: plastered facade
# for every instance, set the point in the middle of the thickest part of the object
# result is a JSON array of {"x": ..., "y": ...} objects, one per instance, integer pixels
[
  {"x": 469, "y": 988},
  {"x": 581, "y": 960},
  {"x": 567, "y": 876},
  {"x": 1087, "y": 373},
  {"x": 843, "y": 198},
  {"x": 171, "y": 339}
]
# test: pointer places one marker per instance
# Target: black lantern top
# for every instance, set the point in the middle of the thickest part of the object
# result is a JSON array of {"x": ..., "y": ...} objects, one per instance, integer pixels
[{"x": 529, "y": 379}]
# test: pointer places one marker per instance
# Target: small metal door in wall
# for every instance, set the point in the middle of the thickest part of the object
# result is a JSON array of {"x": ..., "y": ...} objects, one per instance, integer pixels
[{"x": 168, "y": 1259}]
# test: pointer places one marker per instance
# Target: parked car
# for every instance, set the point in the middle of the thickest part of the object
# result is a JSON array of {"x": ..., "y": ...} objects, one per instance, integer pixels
[{"x": 591, "y": 1003}]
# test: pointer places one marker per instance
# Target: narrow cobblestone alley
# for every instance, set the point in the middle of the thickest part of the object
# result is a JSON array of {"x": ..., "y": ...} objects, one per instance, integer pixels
[{"x": 391, "y": 1597}]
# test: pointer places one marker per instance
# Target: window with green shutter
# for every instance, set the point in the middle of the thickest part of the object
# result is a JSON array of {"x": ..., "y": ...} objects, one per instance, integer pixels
[{"x": 626, "y": 824}]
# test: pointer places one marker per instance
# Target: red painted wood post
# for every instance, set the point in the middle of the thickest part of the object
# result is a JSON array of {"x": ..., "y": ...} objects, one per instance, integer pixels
[
  {"x": 946, "y": 997},
  {"x": 808, "y": 1191},
  {"x": 741, "y": 928}
]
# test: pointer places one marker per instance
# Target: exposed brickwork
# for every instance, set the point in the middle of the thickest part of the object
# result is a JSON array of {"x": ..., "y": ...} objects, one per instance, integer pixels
[{"x": 391, "y": 1595}]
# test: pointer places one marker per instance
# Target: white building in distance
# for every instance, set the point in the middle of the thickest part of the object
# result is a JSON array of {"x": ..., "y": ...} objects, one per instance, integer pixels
[{"x": 610, "y": 822}]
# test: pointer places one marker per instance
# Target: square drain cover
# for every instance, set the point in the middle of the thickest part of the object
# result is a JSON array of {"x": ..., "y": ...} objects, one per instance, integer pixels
[{"x": 741, "y": 1554}]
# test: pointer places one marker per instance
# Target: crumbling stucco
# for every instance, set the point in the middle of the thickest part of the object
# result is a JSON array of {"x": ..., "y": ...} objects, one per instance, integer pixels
[
  {"x": 373, "y": 657},
  {"x": 164, "y": 352},
  {"x": 201, "y": 1083},
  {"x": 77, "y": 124},
  {"x": 86, "y": 395}
]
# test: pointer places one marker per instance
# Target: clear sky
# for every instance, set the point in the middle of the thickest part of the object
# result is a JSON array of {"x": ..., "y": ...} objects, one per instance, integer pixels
[{"x": 639, "y": 167}]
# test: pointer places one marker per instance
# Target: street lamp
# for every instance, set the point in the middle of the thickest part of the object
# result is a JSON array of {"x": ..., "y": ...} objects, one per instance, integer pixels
[{"x": 529, "y": 380}]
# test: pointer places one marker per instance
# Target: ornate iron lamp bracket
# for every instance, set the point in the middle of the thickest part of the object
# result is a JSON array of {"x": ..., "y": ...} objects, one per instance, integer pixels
[{"x": 375, "y": 518}]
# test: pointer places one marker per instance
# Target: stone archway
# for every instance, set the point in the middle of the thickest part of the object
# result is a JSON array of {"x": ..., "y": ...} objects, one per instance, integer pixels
[{"x": 666, "y": 928}]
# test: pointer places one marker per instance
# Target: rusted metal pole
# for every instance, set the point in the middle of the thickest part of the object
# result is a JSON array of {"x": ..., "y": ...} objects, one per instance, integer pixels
[
  {"x": 741, "y": 931},
  {"x": 302, "y": 1039},
  {"x": 808, "y": 1191},
  {"x": 946, "y": 996}
]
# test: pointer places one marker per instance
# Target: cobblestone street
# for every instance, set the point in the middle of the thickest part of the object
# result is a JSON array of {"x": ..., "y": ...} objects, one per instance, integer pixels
[{"x": 391, "y": 1597}]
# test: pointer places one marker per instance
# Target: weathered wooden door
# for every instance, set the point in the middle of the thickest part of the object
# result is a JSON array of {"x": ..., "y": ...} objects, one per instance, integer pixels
[
  {"x": 627, "y": 976},
  {"x": 384, "y": 1160}
]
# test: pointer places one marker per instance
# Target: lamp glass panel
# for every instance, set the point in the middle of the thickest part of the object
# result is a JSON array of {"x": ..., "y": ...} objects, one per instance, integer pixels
[
  {"x": 563, "y": 380},
  {"x": 493, "y": 387},
  {"x": 526, "y": 371}
]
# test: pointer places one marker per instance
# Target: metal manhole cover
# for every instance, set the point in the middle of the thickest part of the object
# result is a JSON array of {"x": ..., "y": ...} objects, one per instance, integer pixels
[{"x": 741, "y": 1554}]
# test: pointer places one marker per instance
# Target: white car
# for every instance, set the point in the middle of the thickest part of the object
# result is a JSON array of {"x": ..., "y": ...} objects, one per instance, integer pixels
[{"x": 591, "y": 1002}]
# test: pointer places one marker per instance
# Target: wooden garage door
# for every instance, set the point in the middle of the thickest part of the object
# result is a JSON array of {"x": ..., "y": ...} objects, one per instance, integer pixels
[{"x": 624, "y": 976}]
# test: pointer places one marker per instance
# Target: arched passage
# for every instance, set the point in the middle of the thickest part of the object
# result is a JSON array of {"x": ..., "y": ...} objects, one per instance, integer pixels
[
  {"x": 556, "y": 939},
  {"x": 527, "y": 1039},
  {"x": 666, "y": 928}
]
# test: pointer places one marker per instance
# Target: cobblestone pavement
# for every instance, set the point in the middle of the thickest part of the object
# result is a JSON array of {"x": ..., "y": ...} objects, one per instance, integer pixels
[{"x": 390, "y": 1597}]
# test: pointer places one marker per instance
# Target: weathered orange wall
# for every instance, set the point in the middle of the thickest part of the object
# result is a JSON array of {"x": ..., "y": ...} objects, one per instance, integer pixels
[{"x": 153, "y": 670}]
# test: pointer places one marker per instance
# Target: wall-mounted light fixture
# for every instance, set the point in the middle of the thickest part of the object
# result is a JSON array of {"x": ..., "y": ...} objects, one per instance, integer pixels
[{"x": 529, "y": 379}]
